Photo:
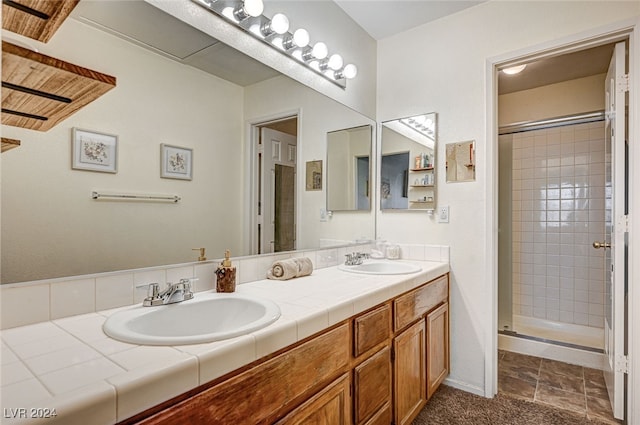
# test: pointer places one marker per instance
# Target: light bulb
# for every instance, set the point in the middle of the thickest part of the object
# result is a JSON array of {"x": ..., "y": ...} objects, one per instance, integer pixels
[
  {"x": 279, "y": 23},
  {"x": 514, "y": 69},
  {"x": 320, "y": 50},
  {"x": 350, "y": 71},
  {"x": 253, "y": 7},
  {"x": 335, "y": 62},
  {"x": 248, "y": 8},
  {"x": 301, "y": 37}
]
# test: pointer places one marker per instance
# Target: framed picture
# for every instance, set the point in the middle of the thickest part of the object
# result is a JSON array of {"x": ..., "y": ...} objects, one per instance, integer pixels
[
  {"x": 93, "y": 151},
  {"x": 314, "y": 175},
  {"x": 176, "y": 162}
]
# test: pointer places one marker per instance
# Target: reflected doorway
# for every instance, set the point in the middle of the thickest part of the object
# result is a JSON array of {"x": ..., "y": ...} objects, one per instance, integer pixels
[{"x": 276, "y": 160}]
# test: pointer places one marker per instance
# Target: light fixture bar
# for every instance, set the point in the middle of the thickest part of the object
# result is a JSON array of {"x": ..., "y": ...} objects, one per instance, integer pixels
[{"x": 247, "y": 15}]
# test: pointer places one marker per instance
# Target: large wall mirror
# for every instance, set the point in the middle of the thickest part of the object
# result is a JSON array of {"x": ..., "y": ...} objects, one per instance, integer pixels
[
  {"x": 349, "y": 169},
  {"x": 179, "y": 90},
  {"x": 407, "y": 163}
]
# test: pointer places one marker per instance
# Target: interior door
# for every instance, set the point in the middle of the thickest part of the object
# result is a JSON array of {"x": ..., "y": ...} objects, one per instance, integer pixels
[
  {"x": 278, "y": 149},
  {"x": 616, "y": 231}
]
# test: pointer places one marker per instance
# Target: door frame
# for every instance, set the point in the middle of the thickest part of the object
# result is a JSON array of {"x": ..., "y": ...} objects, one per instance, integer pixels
[
  {"x": 251, "y": 135},
  {"x": 625, "y": 30}
]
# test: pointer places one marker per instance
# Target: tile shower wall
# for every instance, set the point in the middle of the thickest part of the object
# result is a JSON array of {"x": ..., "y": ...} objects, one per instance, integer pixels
[{"x": 558, "y": 197}]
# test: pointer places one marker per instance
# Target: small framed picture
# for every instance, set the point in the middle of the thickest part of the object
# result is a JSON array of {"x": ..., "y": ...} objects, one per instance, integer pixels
[
  {"x": 93, "y": 151},
  {"x": 314, "y": 175},
  {"x": 176, "y": 162}
]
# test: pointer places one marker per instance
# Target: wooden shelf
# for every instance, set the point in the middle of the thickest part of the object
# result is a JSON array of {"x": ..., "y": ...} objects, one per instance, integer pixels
[
  {"x": 39, "y": 91},
  {"x": 422, "y": 185},
  {"x": 36, "y": 19},
  {"x": 421, "y": 169},
  {"x": 9, "y": 144},
  {"x": 421, "y": 202}
]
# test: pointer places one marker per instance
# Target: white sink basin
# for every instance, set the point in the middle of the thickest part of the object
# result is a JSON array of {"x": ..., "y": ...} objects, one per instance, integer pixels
[
  {"x": 207, "y": 317},
  {"x": 381, "y": 267}
]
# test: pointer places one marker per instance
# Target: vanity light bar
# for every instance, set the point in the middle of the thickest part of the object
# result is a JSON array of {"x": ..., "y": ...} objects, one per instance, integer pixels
[
  {"x": 422, "y": 124},
  {"x": 274, "y": 32}
]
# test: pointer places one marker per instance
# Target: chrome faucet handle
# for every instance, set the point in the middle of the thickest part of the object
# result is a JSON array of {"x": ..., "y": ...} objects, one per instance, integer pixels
[
  {"x": 153, "y": 294},
  {"x": 153, "y": 289},
  {"x": 188, "y": 283}
]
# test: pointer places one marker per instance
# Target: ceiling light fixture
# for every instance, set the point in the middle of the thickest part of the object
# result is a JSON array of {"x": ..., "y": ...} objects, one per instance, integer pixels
[
  {"x": 247, "y": 14},
  {"x": 514, "y": 69}
]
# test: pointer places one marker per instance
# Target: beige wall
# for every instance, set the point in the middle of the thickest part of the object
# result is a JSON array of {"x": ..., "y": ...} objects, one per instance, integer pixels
[
  {"x": 555, "y": 100},
  {"x": 51, "y": 227}
]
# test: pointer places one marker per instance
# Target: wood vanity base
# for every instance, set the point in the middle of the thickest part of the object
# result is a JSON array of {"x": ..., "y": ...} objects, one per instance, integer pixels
[{"x": 378, "y": 367}]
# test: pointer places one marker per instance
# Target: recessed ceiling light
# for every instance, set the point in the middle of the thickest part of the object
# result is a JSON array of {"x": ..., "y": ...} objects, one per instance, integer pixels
[{"x": 514, "y": 69}]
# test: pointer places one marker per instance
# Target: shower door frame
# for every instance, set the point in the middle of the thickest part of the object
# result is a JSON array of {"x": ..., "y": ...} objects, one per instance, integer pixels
[{"x": 625, "y": 30}]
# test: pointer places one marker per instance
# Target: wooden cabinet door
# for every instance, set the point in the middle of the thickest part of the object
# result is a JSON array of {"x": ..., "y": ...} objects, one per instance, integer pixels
[
  {"x": 372, "y": 385},
  {"x": 331, "y": 406},
  {"x": 437, "y": 347},
  {"x": 410, "y": 373}
]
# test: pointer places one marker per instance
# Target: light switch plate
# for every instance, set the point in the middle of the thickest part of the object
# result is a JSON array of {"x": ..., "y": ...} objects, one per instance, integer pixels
[{"x": 443, "y": 214}]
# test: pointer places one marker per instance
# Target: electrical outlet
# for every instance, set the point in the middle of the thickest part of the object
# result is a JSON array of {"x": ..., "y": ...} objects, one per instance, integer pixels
[
  {"x": 443, "y": 214},
  {"x": 323, "y": 214}
]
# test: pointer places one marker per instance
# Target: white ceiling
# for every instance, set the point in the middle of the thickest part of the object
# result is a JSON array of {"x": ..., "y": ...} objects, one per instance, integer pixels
[{"x": 384, "y": 18}]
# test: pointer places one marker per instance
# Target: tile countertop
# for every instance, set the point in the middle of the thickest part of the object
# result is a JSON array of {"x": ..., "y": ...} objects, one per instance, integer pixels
[{"x": 71, "y": 367}]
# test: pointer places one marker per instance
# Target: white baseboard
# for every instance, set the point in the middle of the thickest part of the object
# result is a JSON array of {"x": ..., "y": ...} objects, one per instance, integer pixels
[
  {"x": 551, "y": 351},
  {"x": 464, "y": 386}
]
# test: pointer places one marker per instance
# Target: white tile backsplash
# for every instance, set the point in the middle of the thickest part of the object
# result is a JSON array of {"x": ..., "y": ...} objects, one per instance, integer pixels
[
  {"x": 39, "y": 301},
  {"x": 24, "y": 305},
  {"x": 74, "y": 297},
  {"x": 114, "y": 291},
  {"x": 558, "y": 204}
]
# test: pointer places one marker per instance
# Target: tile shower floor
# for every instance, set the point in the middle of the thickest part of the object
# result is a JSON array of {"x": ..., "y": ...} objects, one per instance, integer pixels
[{"x": 561, "y": 385}]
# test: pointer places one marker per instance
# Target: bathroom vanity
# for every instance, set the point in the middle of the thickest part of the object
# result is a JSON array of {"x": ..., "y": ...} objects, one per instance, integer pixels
[
  {"x": 377, "y": 367},
  {"x": 348, "y": 348}
]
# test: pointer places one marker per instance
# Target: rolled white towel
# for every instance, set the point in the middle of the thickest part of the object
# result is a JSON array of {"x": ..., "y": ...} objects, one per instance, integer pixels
[{"x": 291, "y": 268}]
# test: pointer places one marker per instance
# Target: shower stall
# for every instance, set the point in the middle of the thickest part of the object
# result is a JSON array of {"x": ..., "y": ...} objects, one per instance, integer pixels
[{"x": 552, "y": 203}]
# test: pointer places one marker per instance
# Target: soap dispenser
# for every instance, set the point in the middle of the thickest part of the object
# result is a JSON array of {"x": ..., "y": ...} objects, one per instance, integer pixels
[{"x": 226, "y": 275}]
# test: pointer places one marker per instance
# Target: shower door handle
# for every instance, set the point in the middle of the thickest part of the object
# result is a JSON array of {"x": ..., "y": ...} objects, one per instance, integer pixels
[{"x": 603, "y": 245}]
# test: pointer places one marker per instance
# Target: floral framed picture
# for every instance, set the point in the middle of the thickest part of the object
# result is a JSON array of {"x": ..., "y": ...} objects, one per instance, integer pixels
[
  {"x": 93, "y": 151},
  {"x": 176, "y": 162}
]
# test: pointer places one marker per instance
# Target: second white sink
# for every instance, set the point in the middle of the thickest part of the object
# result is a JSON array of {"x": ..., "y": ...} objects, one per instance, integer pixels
[
  {"x": 382, "y": 267},
  {"x": 207, "y": 317}
]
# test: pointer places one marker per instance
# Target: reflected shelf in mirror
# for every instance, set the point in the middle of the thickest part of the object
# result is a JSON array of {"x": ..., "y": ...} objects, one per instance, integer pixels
[{"x": 407, "y": 164}]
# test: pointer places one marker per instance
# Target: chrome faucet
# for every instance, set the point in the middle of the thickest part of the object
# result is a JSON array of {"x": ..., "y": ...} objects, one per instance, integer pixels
[
  {"x": 355, "y": 258},
  {"x": 174, "y": 293}
]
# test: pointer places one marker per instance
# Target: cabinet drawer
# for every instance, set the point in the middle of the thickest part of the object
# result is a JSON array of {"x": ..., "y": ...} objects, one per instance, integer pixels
[
  {"x": 330, "y": 406},
  {"x": 371, "y": 329},
  {"x": 264, "y": 393},
  {"x": 416, "y": 303}
]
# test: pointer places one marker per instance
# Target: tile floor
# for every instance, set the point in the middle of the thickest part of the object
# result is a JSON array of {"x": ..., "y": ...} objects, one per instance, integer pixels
[{"x": 554, "y": 383}]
